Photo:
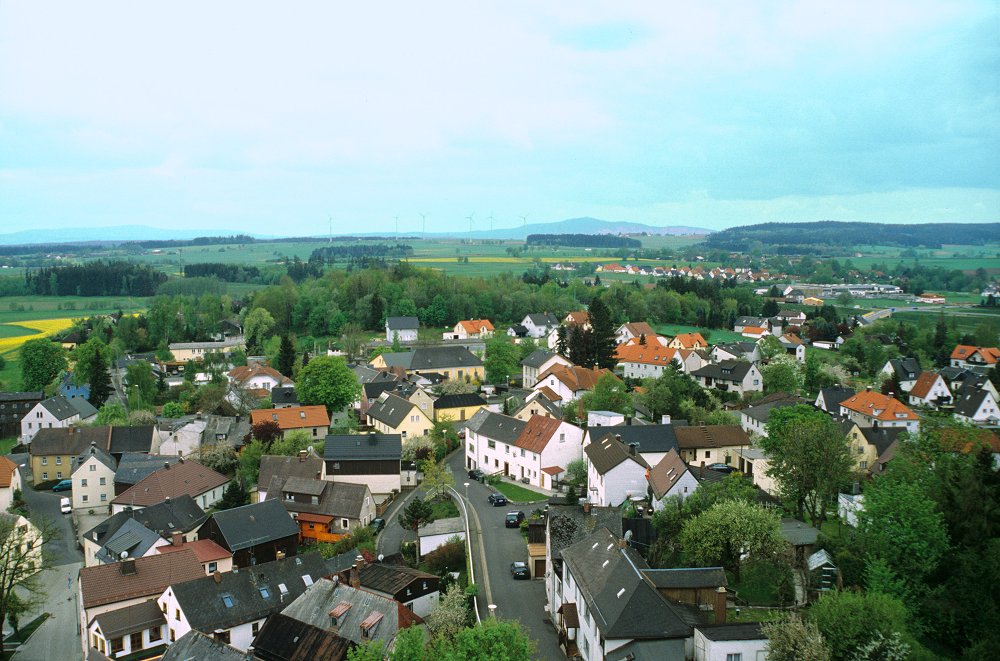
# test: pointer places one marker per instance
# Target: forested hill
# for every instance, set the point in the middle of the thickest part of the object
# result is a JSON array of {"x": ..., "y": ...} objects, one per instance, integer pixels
[{"x": 815, "y": 237}]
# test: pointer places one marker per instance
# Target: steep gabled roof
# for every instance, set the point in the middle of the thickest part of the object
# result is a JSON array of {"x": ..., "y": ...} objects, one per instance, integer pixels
[
  {"x": 537, "y": 433},
  {"x": 543, "y": 319},
  {"x": 244, "y": 373},
  {"x": 537, "y": 358},
  {"x": 391, "y": 409},
  {"x": 284, "y": 395},
  {"x": 968, "y": 406},
  {"x": 308, "y": 465},
  {"x": 574, "y": 377},
  {"x": 363, "y": 447},
  {"x": 664, "y": 475},
  {"x": 725, "y": 370},
  {"x": 458, "y": 401},
  {"x": 878, "y": 406},
  {"x": 69, "y": 440},
  {"x": 905, "y": 369},
  {"x": 711, "y": 436},
  {"x": 691, "y": 340},
  {"x": 473, "y": 326},
  {"x": 173, "y": 515},
  {"x": 131, "y": 619},
  {"x": 288, "y": 639},
  {"x": 496, "y": 426},
  {"x": 649, "y": 354},
  {"x": 647, "y": 438},
  {"x": 638, "y": 328},
  {"x": 196, "y": 645},
  {"x": 608, "y": 452},
  {"x": 990, "y": 355},
  {"x": 924, "y": 383},
  {"x": 433, "y": 358},
  {"x": 133, "y": 539},
  {"x": 60, "y": 407},
  {"x": 185, "y": 478},
  {"x": 390, "y": 579},
  {"x": 132, "y": 439},
  {"x": 7, "y": 469},
  {"x": 135, "y": 466},
  {"x": 293, "y": 417},
  {"x": 402, "y": 323},
  {"x": 258, "y": 523},
  {"x": 134, "y": 579}
]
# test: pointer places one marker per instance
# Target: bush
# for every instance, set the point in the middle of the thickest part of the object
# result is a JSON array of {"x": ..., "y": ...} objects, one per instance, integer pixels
[
  {"x": 362, "y": 538},
  {"x": 449, "y": 557}
]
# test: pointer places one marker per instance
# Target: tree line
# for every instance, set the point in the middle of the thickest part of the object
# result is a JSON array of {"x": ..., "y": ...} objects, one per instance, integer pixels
[
  {"x": 807, "y": 237},
  {"x": 226, "y": 272},
  {"x": 98, "y": 278},
  {"x": 583, "y": 240}
]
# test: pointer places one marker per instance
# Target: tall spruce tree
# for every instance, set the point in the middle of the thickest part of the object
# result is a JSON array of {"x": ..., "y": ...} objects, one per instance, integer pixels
[
  {"x": 562, "y": 341},
  {"x": 578, "y": 347},
  {"x": 286, "y": 356},
  {"x": 100, "y": 380},
  {"x": 602, "y": 335}
]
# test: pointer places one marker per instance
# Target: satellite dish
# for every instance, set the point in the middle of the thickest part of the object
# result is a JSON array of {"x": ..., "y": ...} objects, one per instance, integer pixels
[
  {"x": 381, "y": 557},
  {"x": 628, "y": 535},
  {"x": 123, "y": 555}
]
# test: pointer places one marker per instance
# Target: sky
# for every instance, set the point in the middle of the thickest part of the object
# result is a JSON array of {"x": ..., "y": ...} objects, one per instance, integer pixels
[{"x": 277, "y": 118}]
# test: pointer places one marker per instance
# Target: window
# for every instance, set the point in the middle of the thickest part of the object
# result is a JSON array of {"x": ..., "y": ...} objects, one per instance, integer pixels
[
  {"x": 264, "y": 592},
  {"x": 84, "y": 497},
  {"x": 83, "y": 482},
  {"x": 734, "y": 657},
  {"x": 562, "y": 438},
  {"x": 255, "y": 629},
  {"x": 212, "y": 566},
  {"x": 117, "y": 645},
  {"x": 93, "y": 467},
  {"x": 708, "y": 454},
  {"x": 173, "y": 635},
  {"x": 223, "y": 637},
  {"x": 227, "y": 600},
  {"x": 522, "y": 452},
  {"x": 104, "y": 481},
  {"x": 58, "y": 461},
  {"x": 154, "y": 634},
  {"x": 104, "y": 497},
  {"x": 345, "y": 524},
  {"x": 863, "y": 465},
  {"x": 45, "y": 461},
  {"x": 135, "y": 641},
  {"x": 490, "y": 444},
  {"x": 59, "y": 475},
  {"x": 45, "y": 476},
  {"x": 177, "y": 616}
]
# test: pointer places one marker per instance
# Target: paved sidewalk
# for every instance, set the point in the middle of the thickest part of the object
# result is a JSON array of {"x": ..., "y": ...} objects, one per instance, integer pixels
[
  {"x": 393, "y": 535},
  {"x": 58, "y": 638}
]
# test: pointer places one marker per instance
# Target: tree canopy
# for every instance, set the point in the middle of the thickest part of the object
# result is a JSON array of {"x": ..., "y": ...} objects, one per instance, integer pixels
[{"x": 327, "y": 380}]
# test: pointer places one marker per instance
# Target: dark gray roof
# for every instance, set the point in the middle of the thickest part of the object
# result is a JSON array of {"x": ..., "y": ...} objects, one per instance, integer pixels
[
  {"x": 254, "y": 592},
  {"x": 798, "y": 533},
  {"x": 362, "y": 447},
  {"x": 232, "y": 429},
  {"x": 98, "y": 454},
  {"x": 687, "y": 578},
  {"x": 762, "y": 412},
  {"x": 751, "y": 321},
  {"x": 390, "y": 409},
  {"x": 651, "y": 438},
  {"x": 833, "y": 396},
  {"x": 519, "y": 330},
  {"x": 83, "y": 407},
  {"x": 133, "y": 539},
  {"x": 543, "y": 319},
  {"x": 495, "y": 426},
  {"x": 537, "y": 358},
  {"x": 250, "y": 525},
  {"x": 390, "y": 579},
  {"x": 737, "y": 348},
  {"x": 68, "y": 440},
  {"x": 607, "y": 452},
  {"x": 21, "y": 396},
  {"x": 623, "y": 603},
  {"x": 432, "y": 358},
  {"x": 402, "y": 323},
  {"x": 130, "y": 619},
  {"x": 132, "y": 439},
  {"x": 882, "y": 437},
  {"x": 60, "y": 407},
  {"x": 541, "y": 401},
  {"x": 732, "y": 631},
  {"x": 284, "y": 395},
  {"x": 338, "y": 499},
  {"x": 284, "y": 638},
  {"x": 374, "y": 389},
  {"x": 134, "y": 467},
  {"x": 905, "y": 369},
  {"x": 968, "y": 405},
  {"x": 196, "y": 646},
  {"x": 569, "y": 524},
  {"x": 457, "y": 401},
  {"x": 308, "y": 465},
  {"x": 174, "y": 515},
  {"x": 729, "y": 370}
]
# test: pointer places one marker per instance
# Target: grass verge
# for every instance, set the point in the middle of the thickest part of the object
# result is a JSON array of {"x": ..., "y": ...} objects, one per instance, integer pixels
[{"x": 516, "y": 493}]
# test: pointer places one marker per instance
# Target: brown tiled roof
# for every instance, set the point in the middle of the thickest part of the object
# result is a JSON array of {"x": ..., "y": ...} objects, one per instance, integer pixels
[
  {"x": 293, "y": 417},
  {"x": 923, "y": 384},
  {"x": 962, "y": 352},
  {"x": 185, "y": 478},
  {"x": 7, "y": 468},
  {"x": 578, "y": 318},
  {"x": 243, "y": 373},
  {"x": 109, "y": 584},
  {"x": 664, "y": 475},
  {"x": 648, "y": 354},
  {"x": 204, "y": 549},
  {"x": 537, "y": 433},
  {"x": 474, "y": 326},
  {"x": 881, "y": 407},
  {"x": 710, "y": 436},
  {"x": 691, "y": 340},
  {"x": 549, "y": 393},
  {"x": 574, "y": 377},
  {"x": 638, "y": 328}
]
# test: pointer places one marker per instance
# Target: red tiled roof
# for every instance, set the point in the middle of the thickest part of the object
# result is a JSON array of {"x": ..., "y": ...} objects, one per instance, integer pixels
[
  {"x": 474, "y": 326},
  {"x": 243, "y": 373},
  {"x": 574, "y": 377},
  {"x": 537, "y": 433},
  {"x": 552, "y": 470},
  {"x": 578, "y": 318},
  {"x": 109, "y": 584},
  {"x": 878, "y": 406},
  {"x": 754, "y": 330},
  {"x": 963, "y": 351},
  {"x": 204, "y": 549},
  {"x": 691, "y": 340},
  {"x": 185, "y": 478},
  {"x": 923, "y": 384},
  {"x": 7, "y": 468},
  {"x": 549, "y": 394},
  {"x": 637, "y": 328},
  {"x": 293, "y": 417},
  {"x": 648, "y": 354}
]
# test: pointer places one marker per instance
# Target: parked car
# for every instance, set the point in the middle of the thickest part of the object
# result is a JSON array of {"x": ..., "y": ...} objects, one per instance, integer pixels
[
  {"x": 497, "y": 499},
  {"x": 519, "y": 569},
  {"x": 63, "y": 485},
  {"x": 513, "y": 519},
  {"x": 722, "y": 468},
  {"x": 476, "y": 474},
  {"x": 461, "y": 433},
  {"x": 377, "y": 524},
  {"x": 64, "y": 506}
]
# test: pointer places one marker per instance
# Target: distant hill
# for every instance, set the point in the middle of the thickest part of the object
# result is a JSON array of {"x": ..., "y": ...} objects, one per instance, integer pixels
[
  {"x": 117, "y": 234},
  {"x": 818, "y": 236},
  {"x": 586, "y": 225}
]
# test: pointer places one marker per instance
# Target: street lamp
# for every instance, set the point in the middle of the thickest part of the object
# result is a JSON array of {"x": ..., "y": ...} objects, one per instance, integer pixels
[
  {"x": 493, "y": 610},
  {"x": 466, "y": 490}
]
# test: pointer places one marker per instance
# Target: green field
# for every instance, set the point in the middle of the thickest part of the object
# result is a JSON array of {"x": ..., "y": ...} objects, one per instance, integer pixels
[
  {"x": 715, "y": 335},
  {"x": 10, "y": 330},
  {"x": 28, "y": 308}
]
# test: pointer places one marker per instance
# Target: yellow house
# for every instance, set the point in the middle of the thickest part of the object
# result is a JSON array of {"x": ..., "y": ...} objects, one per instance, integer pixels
[
  {"x": 424, "y": 400},
  {"x": 54, "y": 450},
  {"x": 392, "y": 414},
  {"x": 457, "y": 407},
  {"x": 454, "y": 363},
  {"x": 868, "y": 444}
]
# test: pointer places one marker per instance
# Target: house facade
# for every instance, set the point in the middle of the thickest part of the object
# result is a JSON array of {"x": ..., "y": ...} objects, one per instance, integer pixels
[
  {"x": 615, "y": 472},
  {"x": 392, "y": 414},
  {"x": 94, "y": 480},
  {"x": 314, "y": 420},
  {"x": 13, "y": 407},
  {"x": 374, "y": 460},
  {"x": 55, "y": 413},
  {"x": 873, "y": 409},
  {"x": 405, "y": 329},
  {"x": 537, "y": 362},
  {"x": 530, "y": 452},
  {"x": 730, "y": 375}
]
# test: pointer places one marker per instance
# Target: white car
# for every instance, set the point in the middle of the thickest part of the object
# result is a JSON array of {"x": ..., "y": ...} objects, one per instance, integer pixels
[{"x": 64, "y": 506}]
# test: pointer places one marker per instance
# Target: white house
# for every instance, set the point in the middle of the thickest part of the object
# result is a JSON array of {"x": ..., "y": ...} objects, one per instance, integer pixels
[
  {"x": 94, "y": 480},
  {"x": 258, "y": 377},
  {"x": 641, "y": 361},
  {"x": 470, "y": 329},
  {"x": 537, "y": 362},
  {"x": 569, "y": 382},
  {"x": 738, "y": 641},
  {"x": 615, "y": 472},
  {"x": 931, "y": 390},
  {"x": 670, "y": 477},
  {"x": 737, "y": 376},
  {"x": 634, "y": 330},
  {"x": 55, "y": 412},
  {"x": 905, "y": 370},
  {"x": 979, "y": 408},
  {"x": 873, "y": 409},
  {"x": 437, "y": 533},
  {"x": 403, "y": 328}
]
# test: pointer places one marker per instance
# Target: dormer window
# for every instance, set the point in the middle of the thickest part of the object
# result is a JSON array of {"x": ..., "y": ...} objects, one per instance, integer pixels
[{"x": 264, "y": 592}]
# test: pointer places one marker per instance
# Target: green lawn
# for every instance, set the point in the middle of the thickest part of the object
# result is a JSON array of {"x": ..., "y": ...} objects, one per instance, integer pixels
[
  {"x": 10, "y": 374},
  {"x": 714, "y": 335},
  {"x": 6, "y": 444},
  {"x": 759, "y": 583},
  {"x": 516, "y": 493},
  {"x": 443, "y": 509}
]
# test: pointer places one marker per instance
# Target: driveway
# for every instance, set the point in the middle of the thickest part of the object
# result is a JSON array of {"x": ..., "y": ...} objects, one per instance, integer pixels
[
  {"x": 516, "y": 600},
  {"x": 58, "y": 637}
]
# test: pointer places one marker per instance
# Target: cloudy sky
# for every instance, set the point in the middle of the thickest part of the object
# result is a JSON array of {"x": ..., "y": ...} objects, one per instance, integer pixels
[{"x": 272, "y": 117}]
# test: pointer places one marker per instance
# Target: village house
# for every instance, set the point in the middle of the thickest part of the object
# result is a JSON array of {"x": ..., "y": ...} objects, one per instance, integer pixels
[
  {"x": 283, "y": 638},
  {"x": 53, "y": 451},
  {"x": 136, "y": 466},
  {"x": 311, "y": 419},
  {"x": 904, "y": 370},
  {"x": 829, "y": 399},
  {"x": 70, "y": 389},
  {"x": 537, "y": 362},
  {"x": 755, "y": 332},
  {"x": 869, "y": 443},
  {"x": 670, "y": 477},
  {"x": 737, "y": 376},
  {"x": 233, "y": 606},
  {"x": 213, "y": 558},
  {"x": 794, "y": 346},
  {"x": 930, "y": 390},
  {"x": 177, "y": 516},
  {"x": 974, "y": 358},
  {"x": 635, "y": 330},
  {"x": 434, "y": 534},
  {"x": 542, "y": 450},
  {"x": 754, "y": 465},
  {"x": 711, "y": 444},
  {"x": 258, "y": 378},
  {"x": 306, "y": 464},
  {"x": 748, "y": 351},
  {"x": 615, "y": 472},
  {"x": 651, "y": 441},
  {"x": 132, "y": 540},
  {"x": 754, "y": 419},
  {"x": 325, "y": 511},
  {"x": 283, "y": 397},
  {"x": 932, "y": 299},
  {"x": 392, "y": 414},
  {"x": 455, "y": 363},
  {"x": 641, "y": 361},
  {"x": 185, "y": 478},
  {"x": 185, "y": 351},
  {"x": 10, "y": 481},
  {"x": 13, "y": 407},
  {"x": 256, "y": 533},
  {"x": 733, "y": 641},
  {"x": 569, "y": 382},
  {"x": 55, "y": 413},
  {"x": 457, "y": 408},
  {"x": 403, "y": 329},
  {"x": 415, "y": 589},
  {"x": 374, "y": 460},
  {"x": 538, "y": 324},
  {"x": 979, "y": 408},
  {"x": 688, "y": 341},
  {"x": 93, "y": 479},
  {"x": 478, "y": 329},
  {"x": 537, "y": 402},
  {"x": 873, "y": 409}
]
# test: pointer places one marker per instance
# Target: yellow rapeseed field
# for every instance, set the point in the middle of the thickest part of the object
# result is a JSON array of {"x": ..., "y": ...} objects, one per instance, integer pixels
[{"x": 45, "y": 328}]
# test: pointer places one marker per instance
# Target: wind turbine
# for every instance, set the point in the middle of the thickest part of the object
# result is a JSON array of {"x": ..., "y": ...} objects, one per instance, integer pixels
[
  {"x": 524, "y": 221},
  {"x": 397, "y": 228},
  {"x": 491, "y": 221},
  {"x": 423, "y": 219},
  {"x": 469, "y": 218}
]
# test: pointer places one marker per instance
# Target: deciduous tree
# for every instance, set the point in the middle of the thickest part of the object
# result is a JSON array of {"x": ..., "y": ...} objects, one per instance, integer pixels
[
  {"x": 502, "y": 359},
  {"x": 21, "y": 561},
  {"x": 791, "y": 639},
  {"x": 42, "y": 360},
  {"x": 257, "y": 327},
  {"x": 328, "y": 381},
  {"x": 729, "y": 532}
]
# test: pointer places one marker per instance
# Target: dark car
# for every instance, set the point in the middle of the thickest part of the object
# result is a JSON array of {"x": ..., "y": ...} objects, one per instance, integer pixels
[
  {"x": 497, "y": 499},
  {"x": 377, "y": 524},
  {"x": 63, "y": 485},
  {"x": 519, "y": 570},
  {"x": 513, "y": 519},
  {"x": 722, "y": 468},
  {"x": 475, "y": 474}
]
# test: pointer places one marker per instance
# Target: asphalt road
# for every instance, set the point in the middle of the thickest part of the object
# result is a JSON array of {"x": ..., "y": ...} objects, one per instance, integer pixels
[
  {"x": 515, "y": 599},
  {"x": 58, "y": 637}
]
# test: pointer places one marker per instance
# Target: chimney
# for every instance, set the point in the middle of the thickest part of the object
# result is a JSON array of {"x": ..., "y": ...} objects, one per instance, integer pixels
[
  {"x": 622, "y": 543},
  {"x": 618, "y": 437},
  {"x": 631, "y": 449},
  {"x": 180, "y": 458},
  {"x": 868, "y": 388},
  {"x": 355, "y": 578},
  {"x": 302, "y": 455},
  {"x": 701, "y": 471},
  {"x": 628, "y": 421},
  {"x": 167, "y": 500},
  {"x": 176, "y": 539},
  {"x": 217, "y": 577},
  {"x": 360, "y": 561},
  {"x": 166, "y": 465},
  {"x": 128, "y": 568},
  {"x": 720, "y": 605}
]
